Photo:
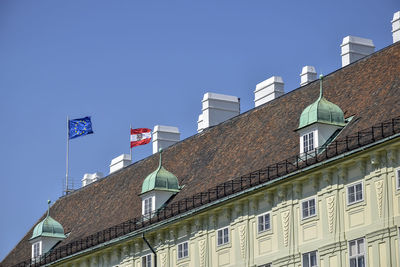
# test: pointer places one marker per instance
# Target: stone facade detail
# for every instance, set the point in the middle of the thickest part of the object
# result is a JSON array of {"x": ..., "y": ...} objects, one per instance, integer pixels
[
  {"x": 285, "y": 227},
  {"x": 202, "y": 253},
  {"x": 164, "y": 260},
  {"x": 379, "y": 196},
  {"x": 242, "y": 238},
  {"x": 330, "y": 203}
]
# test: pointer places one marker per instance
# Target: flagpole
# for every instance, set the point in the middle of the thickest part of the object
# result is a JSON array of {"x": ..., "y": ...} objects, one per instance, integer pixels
[
  {"x": 66, "y": 167},
  {"x": 130, "y": 135}
]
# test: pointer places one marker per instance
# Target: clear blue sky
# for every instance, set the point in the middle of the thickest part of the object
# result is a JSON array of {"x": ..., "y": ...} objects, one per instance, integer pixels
[{"x": 143, "y": 63}]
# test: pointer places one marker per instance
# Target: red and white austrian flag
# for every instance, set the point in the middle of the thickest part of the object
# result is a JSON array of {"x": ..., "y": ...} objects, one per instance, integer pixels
[{"x": 140, "y": 136}]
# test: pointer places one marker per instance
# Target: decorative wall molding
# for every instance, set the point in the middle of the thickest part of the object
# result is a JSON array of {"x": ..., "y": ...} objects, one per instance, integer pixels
[
  {"x": 202, "y": 252},
  {"x": 330, "y": 203},
  {"x": 163, "y": 259},
  {"x": 379, "y": 195},
  {"x": 242, "y": 239},
  {"x": 285, "y": 227}
]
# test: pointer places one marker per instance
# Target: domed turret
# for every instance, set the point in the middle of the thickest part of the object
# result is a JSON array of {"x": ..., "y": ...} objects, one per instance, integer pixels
[
  {"x": 322, "y": 111},
  {"x": 158, "y": 187},
  {"x": 46, "y": 235},
  {"x": 319, "y": 123},
  {"x": 48, "y": 227},
  {"x": 160, "y": 179}
]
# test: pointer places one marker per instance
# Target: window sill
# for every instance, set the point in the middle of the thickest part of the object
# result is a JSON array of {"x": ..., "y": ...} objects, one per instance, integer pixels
[
  {"x": 223, "y": 246},
  {"x": 356, "y": 204},
  {"x": 267, "y": 232},
  {"x": 308, "y": 219}
]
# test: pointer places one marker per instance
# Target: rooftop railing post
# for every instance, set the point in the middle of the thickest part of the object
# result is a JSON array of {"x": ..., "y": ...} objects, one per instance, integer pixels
[{"x": 373, "y": 136}]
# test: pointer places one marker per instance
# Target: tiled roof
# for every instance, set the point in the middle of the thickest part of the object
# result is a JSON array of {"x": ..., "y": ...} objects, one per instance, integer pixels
[{"x": 368, "y": 89}]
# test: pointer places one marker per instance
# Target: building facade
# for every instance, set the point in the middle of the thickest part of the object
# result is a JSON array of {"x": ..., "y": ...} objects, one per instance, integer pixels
[{"x": 310, "y": 178}]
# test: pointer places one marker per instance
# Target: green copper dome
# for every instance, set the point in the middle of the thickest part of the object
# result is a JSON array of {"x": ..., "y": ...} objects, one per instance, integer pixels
[
  {"x": 48, "y": 227},
  {"x": 160, "y": 179},
  {"x": 321, "y": 111}
]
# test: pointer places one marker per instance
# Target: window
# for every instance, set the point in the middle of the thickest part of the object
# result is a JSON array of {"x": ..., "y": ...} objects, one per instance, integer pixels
[
  {"x": 146, "y": 261},
  {"x": 183, "y": 250},
  {"x": 398, "y": 178},
  {"x": 36, "y": 250},
  {"x": 308, "y": 142},
  {"x": 148, "y": 206},
  {"x": 357, "y": 253},
  {"x": 308, "y": 208},
  {"x": 264, "y": 222},
  {"x": 310, "y": 259},
  {"x": 355, "y": 193},
  {"x": 223, "y": 236}
]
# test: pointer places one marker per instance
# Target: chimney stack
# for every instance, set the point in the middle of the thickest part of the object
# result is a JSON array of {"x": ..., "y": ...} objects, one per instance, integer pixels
[
  {"x": 396, "y": 27},
  {"x": 164, "y": 136},
  {"x": 89, "y": 178},
  {"x": 120, "y": 162},
  {"x": 355, "y": 48},
  {"x": 268, "y": 90},
  {"x": 308, "y": 74},
  {"x": 217, "y": 108}
]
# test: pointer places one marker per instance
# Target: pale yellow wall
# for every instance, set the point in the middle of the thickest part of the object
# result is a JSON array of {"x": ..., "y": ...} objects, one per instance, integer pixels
[{"x": 376, "y": 218}]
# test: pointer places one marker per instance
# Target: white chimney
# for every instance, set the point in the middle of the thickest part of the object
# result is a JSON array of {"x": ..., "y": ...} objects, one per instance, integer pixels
[
  {"x": 217, "y": 108},
  {"x": 89, "y": 178},
  {"x": 120, "y": 162},
  {"x": 268, "y": 90},
  {"x": 355, "y": 48},
  {"x": 200, "y": 126},
  {"x": 164, "y": 136},
  {"x": 308, "y": 74},
  {"x": 396, "y": 27}
]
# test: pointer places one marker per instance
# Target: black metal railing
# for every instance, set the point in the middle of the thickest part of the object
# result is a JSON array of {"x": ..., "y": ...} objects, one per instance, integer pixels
[{"x": 271, "y": 172}]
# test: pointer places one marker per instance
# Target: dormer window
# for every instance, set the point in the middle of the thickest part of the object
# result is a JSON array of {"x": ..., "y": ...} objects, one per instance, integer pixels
[
  {"x": 158, "y": 187},
  {"x": 46, "y": 235},
  {"x": 308, "y": 142},
  {"x": 319, "y": 124}
]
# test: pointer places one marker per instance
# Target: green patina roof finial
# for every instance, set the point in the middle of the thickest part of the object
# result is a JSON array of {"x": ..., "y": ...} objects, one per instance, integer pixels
[
  {"x": 160, "y": 161},
  {"x": 48, "y": 227},
  {"x": 321, "y": 90},
  {"x": 160, "y": 179},
  {"x": 321, "y": 111},
  {"x": 48, "y": 208}
]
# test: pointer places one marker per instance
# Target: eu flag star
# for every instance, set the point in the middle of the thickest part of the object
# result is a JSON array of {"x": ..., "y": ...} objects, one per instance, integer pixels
[{"x": 79, "y": 127}]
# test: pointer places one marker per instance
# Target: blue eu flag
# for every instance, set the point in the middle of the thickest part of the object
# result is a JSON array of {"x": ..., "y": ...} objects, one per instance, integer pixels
[{"x": 79, "y": 127}]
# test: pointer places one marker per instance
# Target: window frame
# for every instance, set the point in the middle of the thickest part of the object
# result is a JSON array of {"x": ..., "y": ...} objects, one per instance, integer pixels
[
  {"x": 222, "y": 230},
  {"x": 182, "y": 245},
  {"x": 269, "y": 222},
  {"x": 358, "y": 253},
  {"x": 397, "y": 175},
  {"x": 37, "y": 245},
  {"x": 306, "y": 142},
  {"x": 147, "y": 260},
  {"x": 315, "y": 208},
  {"x": 150, "y": 205},
  {"x": 353, "y": 185},
  {"x": 309, "y": 254}
]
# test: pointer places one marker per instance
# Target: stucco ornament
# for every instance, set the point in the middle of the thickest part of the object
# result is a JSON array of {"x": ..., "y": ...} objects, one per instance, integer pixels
[
  {"x": 285, "y": 226},
  {"x": 330, "y": 203},
  {"x": 202, "y": 252},
  {"x": 242, "y": 235},
  {"x": 379, "y": 195},
  {"x": 163, "y": 259}
]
